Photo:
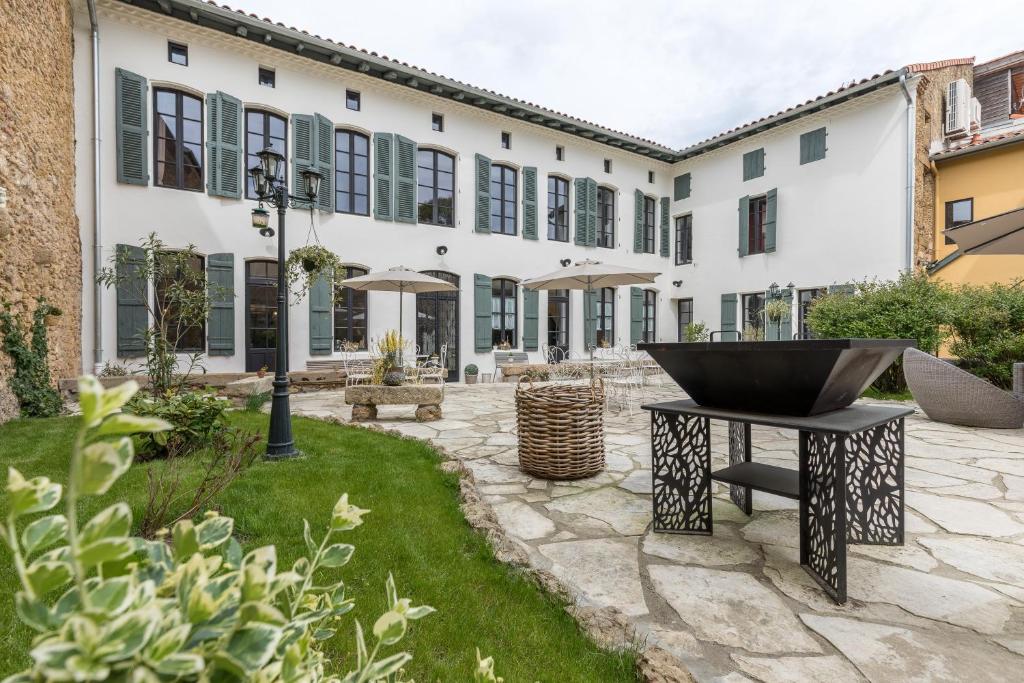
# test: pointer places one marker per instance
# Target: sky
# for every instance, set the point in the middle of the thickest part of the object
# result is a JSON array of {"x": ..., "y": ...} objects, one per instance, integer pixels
[{"x": 674, "y": 72}]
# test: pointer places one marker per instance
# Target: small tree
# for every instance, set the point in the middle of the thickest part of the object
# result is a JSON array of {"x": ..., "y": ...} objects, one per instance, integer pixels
[
  {"x": 179, "y": 306},
  {"x": 986, "y": 325},
  {"x": 31, "y": 383}
]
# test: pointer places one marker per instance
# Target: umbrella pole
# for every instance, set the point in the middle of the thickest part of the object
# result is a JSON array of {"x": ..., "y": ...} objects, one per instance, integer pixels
[
  {"x": 590, "y": 290},
  {"x": 401, "y": 340}
]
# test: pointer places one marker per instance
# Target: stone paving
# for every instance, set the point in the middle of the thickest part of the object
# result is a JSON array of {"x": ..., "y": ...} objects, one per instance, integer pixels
[{"x": 947, "y": 606}]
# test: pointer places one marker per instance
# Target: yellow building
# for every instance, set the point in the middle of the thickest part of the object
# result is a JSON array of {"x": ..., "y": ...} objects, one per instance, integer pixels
[{"x": 981, "y": 178}]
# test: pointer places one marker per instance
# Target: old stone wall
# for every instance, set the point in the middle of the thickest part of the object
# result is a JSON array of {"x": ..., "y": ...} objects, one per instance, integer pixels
[
  {"x": 931, "y": 91},
  {"x": 39, "y": 240}
]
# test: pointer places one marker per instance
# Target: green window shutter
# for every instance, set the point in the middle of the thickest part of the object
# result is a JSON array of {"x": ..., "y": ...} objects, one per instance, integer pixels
[
  {"x": 591, "y": 212},
  {"x": 530, "y": 203},
  {"x": 638, "y": 221},
  {"x": 303, "y": 152},
  {"x": 744, "y": 214},
  {"x": 131, "y": 122},
  {"x": 753, "y": 164},
  {"x": 728, "y": 317},
  {"x": 321, "y": 329},
  {"x": 666, "y": 245},
  {"x": 530, "y": 317},
  {"x": 580, "y": 211},
  {"x": 636, "y": 315},
  {"x": 812, "y": 146},
  {"x": 405, "y": 180},
  {"x": 220, "y": 327},
  {"x": 481, "y": 313},
  {"x": 132, "y": 294},
  {"x": 786, "y": 325},
  {"x": 324, "y": 161},
  {"x": 382, "y": 173},
  {"x": 224, "y": 176},
  {"x": 681, "y": 187},
  {"x": 589, "y": 319},
  {"x": 483, "y": 195},
  {"x": 771, "y": 210}
]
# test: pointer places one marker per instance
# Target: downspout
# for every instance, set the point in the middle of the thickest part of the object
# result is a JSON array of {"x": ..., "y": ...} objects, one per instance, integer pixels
[
  {"x": 911, "y": 134},
  {"x": 97, "y": 254}
]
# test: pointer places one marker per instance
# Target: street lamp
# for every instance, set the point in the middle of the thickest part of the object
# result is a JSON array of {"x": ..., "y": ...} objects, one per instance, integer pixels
[{"x": 267, "y": 182}]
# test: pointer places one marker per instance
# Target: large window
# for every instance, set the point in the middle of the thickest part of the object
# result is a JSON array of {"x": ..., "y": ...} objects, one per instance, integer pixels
[
  {"x": 503, "y": 200},
  {"x": 558, "y": 209},
  {"x": 262, "y": 130},
  {"x": 178, "y": 140},
  {"x": 188, "y": 338},
  {"x": 806, "y": 297},
  {"x": 757, "y": 215},
  {"x": 435, "y": 174},
  {"x": 558, "y": 318},
  {"x": 349, "y": 313},
  {"x": 958, "y": 212},
  {"x": 753, "y": 317},
  {"x": 684, "y": 311},
  {"x": 684, "y": 239},
  {"x": 503, "y": 312},
  {"x": 650, "y": 331},
  {"x": 351, "y": 173},
  {"x": 606, "y": 317},
  {"x": 649, "y": 209},
  {"x": 606, "y": 217}
]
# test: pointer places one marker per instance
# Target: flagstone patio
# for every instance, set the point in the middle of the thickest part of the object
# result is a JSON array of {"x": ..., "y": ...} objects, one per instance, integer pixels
[{"x": 949, "y": 605}]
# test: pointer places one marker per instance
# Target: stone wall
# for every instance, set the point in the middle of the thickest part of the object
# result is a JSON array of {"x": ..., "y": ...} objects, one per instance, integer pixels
[
  {"x": 930, "y": 114},
  {"x": 39, "y": 237}
]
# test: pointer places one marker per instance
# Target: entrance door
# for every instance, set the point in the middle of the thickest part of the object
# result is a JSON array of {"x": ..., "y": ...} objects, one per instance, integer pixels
[
  {"x": 260, "y": 315},
  {"x": 437, "y": 322},
  {"x": 558, "y": 320}
]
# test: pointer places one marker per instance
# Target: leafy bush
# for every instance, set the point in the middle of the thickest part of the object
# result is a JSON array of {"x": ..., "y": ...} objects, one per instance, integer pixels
[
  {"x": 194, "y": 608},
  {"x": 910, "y": 307},
  {"x": 31, "y": 383},
  {"x": 196, "y": 418},
  {"x": 472, "y": 369},
  {"x": 696, "y": 332},
  {"x": 986, "y": 326}
]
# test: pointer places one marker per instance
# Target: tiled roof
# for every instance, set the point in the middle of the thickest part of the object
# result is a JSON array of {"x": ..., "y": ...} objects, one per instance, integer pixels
[
  {"x": 999, "y": 63},
  {"x": 942, "y": 64},
  {"x": 979, "y": 143}
]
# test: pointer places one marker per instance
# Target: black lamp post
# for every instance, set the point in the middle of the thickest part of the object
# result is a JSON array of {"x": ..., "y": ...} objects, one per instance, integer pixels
[{"x": 269, "y": 188}]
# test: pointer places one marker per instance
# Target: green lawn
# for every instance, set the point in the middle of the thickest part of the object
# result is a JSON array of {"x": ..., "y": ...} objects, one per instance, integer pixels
[{"x": 415, "y": 530}]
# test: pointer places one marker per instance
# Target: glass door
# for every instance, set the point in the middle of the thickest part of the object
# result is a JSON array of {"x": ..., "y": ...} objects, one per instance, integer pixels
[
  {"x": 558, "y": 320},
  {"x": 437, "y": 322},
  {"x": 260, "y": 315}
]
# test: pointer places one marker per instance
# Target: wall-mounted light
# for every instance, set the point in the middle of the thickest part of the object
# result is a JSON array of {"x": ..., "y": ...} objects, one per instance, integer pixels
[
  {"x": 677, "y": 283},
  {"x": 565, "y": 262},
  {"x": 441, "y": 250}
]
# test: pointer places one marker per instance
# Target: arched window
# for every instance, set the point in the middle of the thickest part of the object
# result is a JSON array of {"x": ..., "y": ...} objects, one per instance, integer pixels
[
  {"x": 350, "y": 313},
  {"x": 503, "y": 199},
  {"x": 503, "y": 312},
  {"x": 351, "y": 173},
  {"x": 178, "y": 140},
  {"x": 262, "y": 130},
  {"x": 606, "y": 317},
  {"x": 435, "y": 178},
  {"x": 606, "y": 217},
  {"x": 650, "y": 315},
  {"x": 558, "y": 209}
]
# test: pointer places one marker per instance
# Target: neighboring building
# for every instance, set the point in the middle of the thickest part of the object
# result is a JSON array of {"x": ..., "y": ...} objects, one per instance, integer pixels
[{"x": 38, "y": 226}]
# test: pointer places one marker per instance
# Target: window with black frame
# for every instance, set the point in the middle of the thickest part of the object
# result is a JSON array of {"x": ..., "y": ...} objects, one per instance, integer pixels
[
  {"x": 503, "y": 199},
  {"x": 435, "y": 177},
  {"x": 649, "y": 211},
  {"x": 753, "y": 317},
  {"x": 558, "y": 209},
  {"x": 558, "y": 319},
  {"x": 351, "y": 173},
  {"x": 262, "y": 130},
  {"x": 757, "y": 216},
  {"x": 178, "y": 140},
  {"x": 806, "y": 297},
  {"x": 650, "y": 329},
  {"x": 606, "y": 217},
  {"x": 605, "y": 327},
  {"x": 684, "y": 313},
  {"x": 958, "y": 212},
  {"x": 503, "y": 312},
  {"x": 350, "y": 313},
  {"x": 186, "y": 338},
  {"x": 684, "y": 239}
]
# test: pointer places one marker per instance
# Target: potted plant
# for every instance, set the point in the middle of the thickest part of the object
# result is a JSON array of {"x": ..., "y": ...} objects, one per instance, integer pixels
[
  {"x": 471, "y": 371},
  {"x": 306, "y": 265},
  {"x": 776, "y": 309},
  {"x": 262, "y": 372}
]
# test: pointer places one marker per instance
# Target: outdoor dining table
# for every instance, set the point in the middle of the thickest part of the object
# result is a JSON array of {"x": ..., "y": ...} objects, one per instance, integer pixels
[{"x": 849, "y": 482}]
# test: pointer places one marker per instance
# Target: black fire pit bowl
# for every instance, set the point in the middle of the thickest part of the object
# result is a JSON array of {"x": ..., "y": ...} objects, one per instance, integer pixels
[{"x": 803, "y": 377}]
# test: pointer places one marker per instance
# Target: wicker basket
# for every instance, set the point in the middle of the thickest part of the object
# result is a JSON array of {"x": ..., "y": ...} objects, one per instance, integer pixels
[{"x": 561, "y": 429}]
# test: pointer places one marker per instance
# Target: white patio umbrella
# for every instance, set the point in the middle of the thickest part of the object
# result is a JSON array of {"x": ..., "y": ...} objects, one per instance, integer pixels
[
  {"x": 999, "y": 234},
  {"x": 399, "y": 279},
  {"x": 589, "y": 275}
]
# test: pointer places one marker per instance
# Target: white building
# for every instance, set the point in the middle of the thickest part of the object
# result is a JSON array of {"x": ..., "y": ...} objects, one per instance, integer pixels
[{"x": 404, "y": 151}]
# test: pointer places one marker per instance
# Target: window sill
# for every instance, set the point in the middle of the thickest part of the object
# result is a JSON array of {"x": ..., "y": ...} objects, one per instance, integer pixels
[
  {"x": 201, "y": 190},
  {"x": 436, "y": 225},
  {"x": 353, "y": 213}
]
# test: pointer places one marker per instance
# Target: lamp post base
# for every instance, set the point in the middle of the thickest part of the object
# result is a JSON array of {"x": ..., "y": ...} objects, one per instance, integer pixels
[{"x": 280, "y": 444}]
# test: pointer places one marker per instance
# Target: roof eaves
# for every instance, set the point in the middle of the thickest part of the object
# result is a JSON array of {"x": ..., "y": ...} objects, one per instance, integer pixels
[{"x": 982, "y": 145}]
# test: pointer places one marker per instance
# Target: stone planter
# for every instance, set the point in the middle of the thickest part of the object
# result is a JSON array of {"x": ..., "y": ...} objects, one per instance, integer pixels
[{"x": 365, "y": 399}]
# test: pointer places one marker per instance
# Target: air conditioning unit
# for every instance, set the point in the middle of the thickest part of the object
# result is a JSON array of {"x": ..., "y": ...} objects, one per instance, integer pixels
[{"x": 958, "y": 109}]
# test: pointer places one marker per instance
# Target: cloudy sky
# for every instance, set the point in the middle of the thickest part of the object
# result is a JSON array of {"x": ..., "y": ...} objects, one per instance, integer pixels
[{"x": 673, "y": 71}]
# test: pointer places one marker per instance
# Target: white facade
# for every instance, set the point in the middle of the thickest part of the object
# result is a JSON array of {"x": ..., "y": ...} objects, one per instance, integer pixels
[{"x": 838, "y": 219}]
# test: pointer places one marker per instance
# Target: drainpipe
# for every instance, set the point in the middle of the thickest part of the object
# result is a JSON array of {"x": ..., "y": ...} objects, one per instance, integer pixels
[
  {"x": 97, "y": 254},
  {"x": 911, "y": 133}
]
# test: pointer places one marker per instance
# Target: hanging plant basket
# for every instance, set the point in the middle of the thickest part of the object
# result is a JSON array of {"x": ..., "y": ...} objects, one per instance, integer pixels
[{"x": 306, "y": 265}]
